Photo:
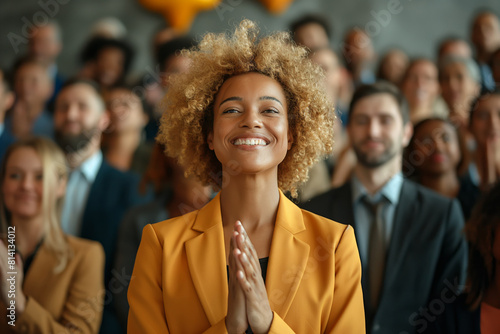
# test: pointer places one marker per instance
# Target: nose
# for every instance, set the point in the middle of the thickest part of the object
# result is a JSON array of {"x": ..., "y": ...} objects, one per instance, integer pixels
[
  {"x": 437, "y": 144},
  {"x": 251, "y": 119},
  {"x": 72, "y": 112},
  {"x": 27, "y": 182},
  {"x": 374, "y": 128}
]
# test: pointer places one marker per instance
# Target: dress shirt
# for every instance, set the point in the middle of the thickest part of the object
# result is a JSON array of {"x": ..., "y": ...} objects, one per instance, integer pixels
[
  {"x": 79, "y": 183},
  {"x": 363, "y": 215}
]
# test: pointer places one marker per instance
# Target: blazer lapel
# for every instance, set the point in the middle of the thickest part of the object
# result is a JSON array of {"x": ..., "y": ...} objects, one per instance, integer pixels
[
  {"x": 207, "y": 263},
  {"x": 41, "y": 270},
  {"x": 288, "y": 257}
]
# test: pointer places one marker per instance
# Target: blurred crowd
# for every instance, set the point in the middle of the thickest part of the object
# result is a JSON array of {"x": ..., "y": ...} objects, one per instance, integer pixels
[{"x": 81, "y": 174}]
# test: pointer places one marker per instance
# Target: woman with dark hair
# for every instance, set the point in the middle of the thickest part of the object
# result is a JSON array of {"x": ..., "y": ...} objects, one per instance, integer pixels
[
  {"x": 106, "y": 61},
  {"x": 477, "y": 311},
  {"x": 437, "y": 158},
  {"x": 484, "y": 125},
  {"x": 250, "y": 117}
]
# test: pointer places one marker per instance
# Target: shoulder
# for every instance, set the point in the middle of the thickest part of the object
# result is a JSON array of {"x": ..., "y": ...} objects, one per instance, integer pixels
[
  {"x": 329, "y": 197},
  {"x": 178, "y": 228},
  {"x": 106, "y": 171},
  {"x": 324, "y": 231},
  {"x": 424, "y": 195}
]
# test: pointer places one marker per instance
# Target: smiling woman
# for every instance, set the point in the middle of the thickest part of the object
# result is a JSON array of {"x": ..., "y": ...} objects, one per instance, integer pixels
[
  {"x": 249, "y": 117},
  {"x": 59, "y": 278}
]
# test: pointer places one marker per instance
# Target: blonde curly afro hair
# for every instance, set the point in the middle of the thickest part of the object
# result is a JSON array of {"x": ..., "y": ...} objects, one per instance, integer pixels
[{"x": 188, "y": 116}]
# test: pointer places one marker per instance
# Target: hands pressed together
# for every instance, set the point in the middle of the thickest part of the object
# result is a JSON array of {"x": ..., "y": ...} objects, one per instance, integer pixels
[{"x": 248, "y": 304}]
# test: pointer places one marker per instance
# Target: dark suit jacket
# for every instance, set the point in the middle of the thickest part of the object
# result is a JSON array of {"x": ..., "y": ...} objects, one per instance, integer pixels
[
  {"x": 111, "y": 195},
  {"x": 129, "y": 238},
  {"x": 456, "y": 319},
  {"x": 427, "y": 255}
]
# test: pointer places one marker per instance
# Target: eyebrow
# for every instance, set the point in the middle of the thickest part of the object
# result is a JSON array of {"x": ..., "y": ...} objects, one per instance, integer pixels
[
  {"x": 237, "y": 98},
  {"x": 270, "y": 98}
]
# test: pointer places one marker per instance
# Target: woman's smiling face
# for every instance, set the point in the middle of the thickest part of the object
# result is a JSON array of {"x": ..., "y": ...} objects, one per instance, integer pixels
[{"x": 250, "y": 132}]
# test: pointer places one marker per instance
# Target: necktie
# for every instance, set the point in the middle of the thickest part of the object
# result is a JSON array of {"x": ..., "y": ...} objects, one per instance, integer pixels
[{"x": 377, "y": 253}]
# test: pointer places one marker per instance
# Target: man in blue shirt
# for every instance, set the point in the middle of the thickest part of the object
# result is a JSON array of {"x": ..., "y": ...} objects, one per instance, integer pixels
[{"x": 97, "y": 194}]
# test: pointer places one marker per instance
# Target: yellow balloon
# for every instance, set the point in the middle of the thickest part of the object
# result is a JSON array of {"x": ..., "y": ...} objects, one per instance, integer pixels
[
  {"x": 179, "y": 13},
  {"x": 276, "y": 6}
]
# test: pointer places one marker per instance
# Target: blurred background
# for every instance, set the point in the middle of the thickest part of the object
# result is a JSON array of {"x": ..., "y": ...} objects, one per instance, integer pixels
[{"x": 416, "y": 29}]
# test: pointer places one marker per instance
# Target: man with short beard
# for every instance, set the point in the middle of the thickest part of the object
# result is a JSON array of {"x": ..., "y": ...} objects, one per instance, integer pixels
[
  {"x": 97, "y": 195},
  {"x": 409, "y": 238}
]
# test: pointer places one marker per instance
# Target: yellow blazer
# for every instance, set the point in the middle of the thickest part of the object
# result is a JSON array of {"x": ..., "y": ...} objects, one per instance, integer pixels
[
  {"x": 68, "y": 302},
  {"x": 313, "y": 282}
]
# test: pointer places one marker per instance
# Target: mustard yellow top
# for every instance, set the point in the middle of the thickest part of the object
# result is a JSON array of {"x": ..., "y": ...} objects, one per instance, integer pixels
[{"x": 179, "y": 283}]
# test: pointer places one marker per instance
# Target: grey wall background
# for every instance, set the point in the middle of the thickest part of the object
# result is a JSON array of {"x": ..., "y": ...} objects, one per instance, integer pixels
[{"x": 417, "y": 28}]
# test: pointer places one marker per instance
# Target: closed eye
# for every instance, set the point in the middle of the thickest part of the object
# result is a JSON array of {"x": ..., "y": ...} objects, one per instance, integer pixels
[
  {"x": 230, "y": 111},
  {"x": 271, "y": 111}
]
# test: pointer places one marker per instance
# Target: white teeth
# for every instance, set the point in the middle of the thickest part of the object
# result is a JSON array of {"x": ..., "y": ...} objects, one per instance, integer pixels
[{"x": 250, "y": 141}]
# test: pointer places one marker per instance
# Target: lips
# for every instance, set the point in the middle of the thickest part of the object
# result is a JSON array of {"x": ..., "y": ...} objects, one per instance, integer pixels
[
  {"x": 250, "y": 140},
  {"x": 438, "y": 158}
]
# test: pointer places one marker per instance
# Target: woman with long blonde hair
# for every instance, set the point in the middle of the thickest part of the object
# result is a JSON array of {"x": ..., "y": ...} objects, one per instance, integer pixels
[{"x": 55, "y": 280}]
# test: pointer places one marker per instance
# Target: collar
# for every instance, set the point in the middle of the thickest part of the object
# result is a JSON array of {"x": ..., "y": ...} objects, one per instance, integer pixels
[
  {"x": 287, "y": 216},
  {"x": 90, "y": 167},
  {"x": 391, "y": 190}
]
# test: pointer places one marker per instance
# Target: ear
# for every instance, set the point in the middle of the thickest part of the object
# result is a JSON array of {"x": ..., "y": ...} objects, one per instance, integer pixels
[
  {"x": 104, "y": 120},
  {"x": 407, "y": 133},
  {"x": 210, "y": 140},
  {"x": 290, "y": 139},
  {"x": 8, "y": 101}
]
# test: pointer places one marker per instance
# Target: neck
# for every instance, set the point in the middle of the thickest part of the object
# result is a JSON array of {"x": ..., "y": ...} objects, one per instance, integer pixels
[
  {"x": 126, "y": 141},
  {"x": 420, "y": 111},
  {"x": 33, "y": 110},
  {"x": 445, "y": 183},
  {"x": 75, "y": 159},
  {"x": 483, "y": 56},
  {"x": 29, "y": 232},
  {"x": 251, "y": 199},
  {"x": 488, "y": 172},
  {"x": 373, "y": 179}
]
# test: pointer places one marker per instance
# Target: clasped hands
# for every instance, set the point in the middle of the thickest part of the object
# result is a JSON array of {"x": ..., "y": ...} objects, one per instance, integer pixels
[{"x": 248, "y": 304}]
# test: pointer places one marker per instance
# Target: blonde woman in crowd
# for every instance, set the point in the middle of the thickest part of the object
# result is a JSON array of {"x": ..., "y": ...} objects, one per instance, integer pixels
[{"x": 59, "y": 281}]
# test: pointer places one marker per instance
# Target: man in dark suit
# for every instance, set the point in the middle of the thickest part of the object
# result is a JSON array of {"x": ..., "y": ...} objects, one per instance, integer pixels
[
  {"x": 410, "y": 242},
  {"x": 97, "y": 195}
]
